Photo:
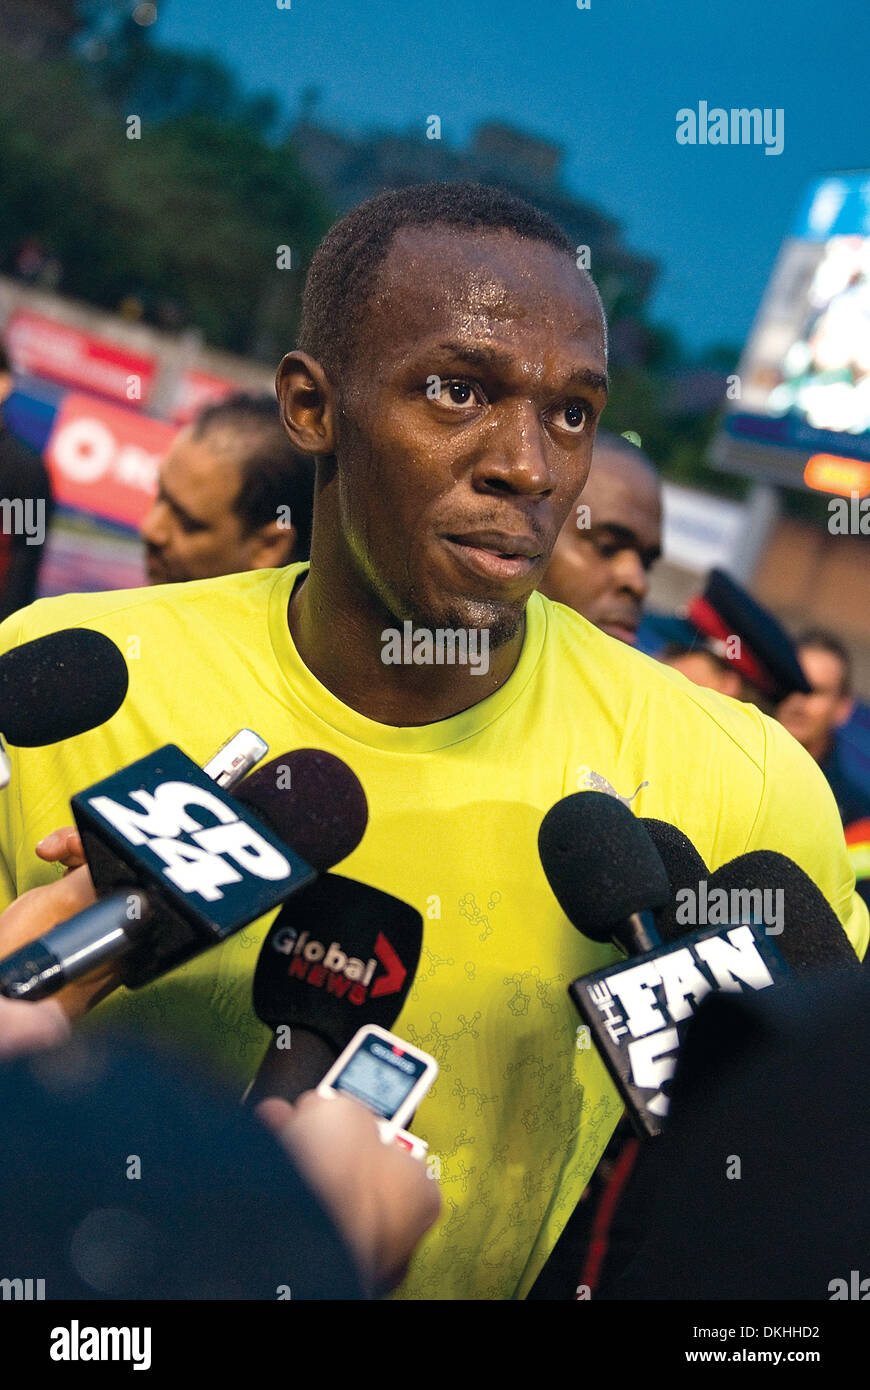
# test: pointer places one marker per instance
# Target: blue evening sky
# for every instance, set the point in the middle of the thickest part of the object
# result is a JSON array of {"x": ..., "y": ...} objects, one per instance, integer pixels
[{"x": 606, "y": 83}]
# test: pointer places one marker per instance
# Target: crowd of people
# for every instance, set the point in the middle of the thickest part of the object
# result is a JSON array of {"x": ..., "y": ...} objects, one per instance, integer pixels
[{"x": 294, "y": 536}]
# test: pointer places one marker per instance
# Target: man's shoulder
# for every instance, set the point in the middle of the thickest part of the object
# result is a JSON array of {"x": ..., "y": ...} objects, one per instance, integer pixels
[
  {"x": 626, "y": 679},
  {"x": 198, "y": 600}
]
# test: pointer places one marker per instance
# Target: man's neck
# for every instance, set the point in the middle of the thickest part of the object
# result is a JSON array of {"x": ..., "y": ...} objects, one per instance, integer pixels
[
  {"x": 339, "y": 637},
  {"x": 822, "y": 749}
]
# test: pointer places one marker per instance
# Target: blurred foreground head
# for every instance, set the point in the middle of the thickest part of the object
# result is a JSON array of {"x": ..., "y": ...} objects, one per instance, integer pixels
[
  {"x": 232, "y": 495},
  {"x": 612, "y": 538}
]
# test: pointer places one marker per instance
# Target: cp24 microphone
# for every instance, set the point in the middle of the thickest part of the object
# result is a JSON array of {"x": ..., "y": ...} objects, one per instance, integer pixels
[
  {"x": 57, "y": 687},
  {"x": 340, "y": 955},
  {"x": 184, "y": 865}
]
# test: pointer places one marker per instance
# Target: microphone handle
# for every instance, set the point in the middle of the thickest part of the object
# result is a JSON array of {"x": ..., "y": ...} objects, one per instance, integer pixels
[
  {"x": 99, "y": 933},
  {"x": 638, "y": 934},
  {"x": 286, "y": 1072}
]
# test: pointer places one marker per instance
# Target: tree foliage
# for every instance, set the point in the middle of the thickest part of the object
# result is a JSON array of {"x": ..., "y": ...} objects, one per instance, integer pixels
[{"x": 191, "y": 213}]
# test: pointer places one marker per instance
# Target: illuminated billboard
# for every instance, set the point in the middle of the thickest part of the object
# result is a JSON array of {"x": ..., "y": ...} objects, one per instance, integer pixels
[{"x": 803, "y": 383}]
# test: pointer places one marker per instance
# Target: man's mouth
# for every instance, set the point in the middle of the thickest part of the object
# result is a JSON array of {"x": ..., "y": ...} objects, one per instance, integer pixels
[
  {"x": 495, "y": 554},
  {"x": 624, "y": 630},
  {"x": 155, "y": 568}
]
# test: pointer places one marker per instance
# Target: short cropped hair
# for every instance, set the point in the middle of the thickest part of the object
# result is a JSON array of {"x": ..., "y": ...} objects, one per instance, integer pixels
[
  {"x": 343, "y": 272},
  {"x": 821, "y": 640},
  {"x": 274, "y": 474}
]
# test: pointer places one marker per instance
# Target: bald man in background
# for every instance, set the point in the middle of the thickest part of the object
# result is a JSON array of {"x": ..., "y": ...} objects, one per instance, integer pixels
[
  {"x": 602, "y": 559},
  {"x": 232, "y": 495}
]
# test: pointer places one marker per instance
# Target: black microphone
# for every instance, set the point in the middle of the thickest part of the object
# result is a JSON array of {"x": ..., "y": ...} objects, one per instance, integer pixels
[
  {"x": 314, "y": 793},
  {"x": 757, "y": 920},
  {"x": 57, "y": 687},
  {"x": 604, "y": 870},
  {"x": 808, "y": 933},
  {"x": 340, "y": 955},
  {"x": 683, "y": 865},
  {"x": 178, "y": 882}
]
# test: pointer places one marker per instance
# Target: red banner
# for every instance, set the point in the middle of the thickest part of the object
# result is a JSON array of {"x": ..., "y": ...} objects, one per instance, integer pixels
[
  {"x": 198, "y": 389},
  {"x": 40, "y": 346},
  {"x": 104, "y": 460}
]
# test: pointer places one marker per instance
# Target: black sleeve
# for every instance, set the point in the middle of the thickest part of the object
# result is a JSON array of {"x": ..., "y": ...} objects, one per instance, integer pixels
[{"x": 23, "y": 476}]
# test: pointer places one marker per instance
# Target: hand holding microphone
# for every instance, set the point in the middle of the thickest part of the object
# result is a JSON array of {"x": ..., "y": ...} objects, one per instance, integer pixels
[
  {"x": 382, "y": 1200},
  {"x": 180, "y": 865}
]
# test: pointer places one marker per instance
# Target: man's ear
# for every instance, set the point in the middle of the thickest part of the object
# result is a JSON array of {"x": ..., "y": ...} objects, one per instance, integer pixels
[
  {"x": 273, "y": 545},
  {"x": 307, "y": 402}
]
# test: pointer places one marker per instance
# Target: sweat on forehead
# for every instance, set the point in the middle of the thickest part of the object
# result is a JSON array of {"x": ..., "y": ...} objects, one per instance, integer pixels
[
  {"x": 461, "y": 280},
  {"x": 347, "y": 265}
]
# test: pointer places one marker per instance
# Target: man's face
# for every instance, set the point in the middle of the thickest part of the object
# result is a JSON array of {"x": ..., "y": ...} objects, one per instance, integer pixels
[
  {"x": 812, "y": 719},
  {"x": 466, "y": 425},
  {"x": 701, "y": 668},
  {"x": 191, "y": 530},
  {"x": 602, "y": 569}
]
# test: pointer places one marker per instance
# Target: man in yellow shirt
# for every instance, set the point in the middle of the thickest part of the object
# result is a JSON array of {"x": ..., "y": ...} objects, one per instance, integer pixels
[{"x": 451, "y": 372}]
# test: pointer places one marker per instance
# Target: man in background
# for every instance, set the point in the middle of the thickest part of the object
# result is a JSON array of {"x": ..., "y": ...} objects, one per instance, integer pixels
[
  {"x": 25, "y": 500},
  {"x": 233, "y": 495},
  {"x": 602, "y": 559},
  {"x": 813, "y": 718},
  {"x": 730, "y": 643}
]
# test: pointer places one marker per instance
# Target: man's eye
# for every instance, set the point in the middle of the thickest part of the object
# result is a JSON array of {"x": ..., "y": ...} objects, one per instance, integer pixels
[
  {"x": 574, "y": 416},
  {"x": 458, "y": 393}
]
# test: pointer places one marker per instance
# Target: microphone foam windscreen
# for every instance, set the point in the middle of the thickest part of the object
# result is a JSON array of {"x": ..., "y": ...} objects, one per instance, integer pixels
[
  {"x": 313, "y": 802},
  {"x": 600, "y": 862},
  {"x": 683, "y": 864},
  {"x": 811, "y": 936},
  {"x": 59, "y": 686},
  {"x": 338, "y": 955}
]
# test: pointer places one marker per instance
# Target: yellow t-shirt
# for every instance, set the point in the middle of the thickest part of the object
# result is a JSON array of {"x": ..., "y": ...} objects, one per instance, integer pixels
[{"x": 518, "y": 1116}]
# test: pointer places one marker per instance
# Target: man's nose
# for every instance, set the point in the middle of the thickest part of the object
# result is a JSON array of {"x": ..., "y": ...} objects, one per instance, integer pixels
[
  {"x": 155, "y": 527},
  {"x": 630, "y": 574},
  {"x": 515, "y": 458}
]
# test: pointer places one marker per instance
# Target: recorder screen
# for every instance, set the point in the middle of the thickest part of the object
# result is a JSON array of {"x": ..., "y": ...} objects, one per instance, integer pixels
[{"x": 380, "y": 1076}]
